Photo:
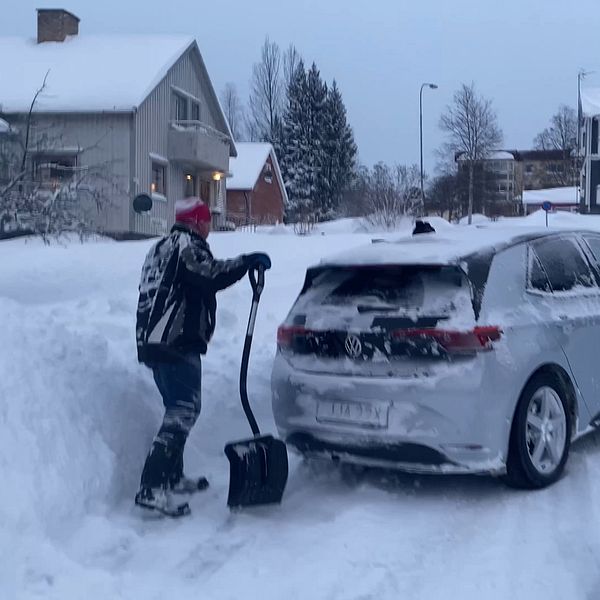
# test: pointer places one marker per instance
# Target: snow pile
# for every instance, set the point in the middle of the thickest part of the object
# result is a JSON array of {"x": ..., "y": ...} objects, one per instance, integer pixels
[
  {"x": 77, "y": 414},
  {"x": 476, "y": 219},
  {"x": 556, "y": 220}
]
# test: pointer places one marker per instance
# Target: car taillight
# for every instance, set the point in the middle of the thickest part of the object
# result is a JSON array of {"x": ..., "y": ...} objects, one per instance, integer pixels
[
  {"x": 286, "y": 334},
  {"x": 475, "y": 340}
]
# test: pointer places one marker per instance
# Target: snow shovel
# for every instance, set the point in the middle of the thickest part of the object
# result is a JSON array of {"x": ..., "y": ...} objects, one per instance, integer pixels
[{"x": 258, "y": 467}]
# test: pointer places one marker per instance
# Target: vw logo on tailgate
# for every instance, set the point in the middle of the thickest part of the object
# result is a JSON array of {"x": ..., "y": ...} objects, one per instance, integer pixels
[{"x": 353, "y": 346}]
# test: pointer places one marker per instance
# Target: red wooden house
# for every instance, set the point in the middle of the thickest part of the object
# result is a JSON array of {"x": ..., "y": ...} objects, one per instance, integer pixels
[{"x": 255, "y": 191}]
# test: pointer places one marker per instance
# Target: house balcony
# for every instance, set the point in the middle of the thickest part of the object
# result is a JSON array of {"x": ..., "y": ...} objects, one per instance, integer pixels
[{"x": 198, "y": 145}]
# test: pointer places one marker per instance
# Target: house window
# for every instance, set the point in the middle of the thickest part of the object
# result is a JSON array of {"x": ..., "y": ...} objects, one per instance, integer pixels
[
  {"x": 190, "y": 185},
  {"x": 181, "y": 108},
  {"x": 158, "y": 185},
  {"x": 54, "y": 170},
  {"x": 195, "y": 111},
  {"x": 268, "y": 173},
  {"x": 529, "y": 169}
]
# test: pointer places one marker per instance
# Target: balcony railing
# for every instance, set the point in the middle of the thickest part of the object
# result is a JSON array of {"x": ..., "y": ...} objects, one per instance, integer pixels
[{"x": 198, "y": 144}]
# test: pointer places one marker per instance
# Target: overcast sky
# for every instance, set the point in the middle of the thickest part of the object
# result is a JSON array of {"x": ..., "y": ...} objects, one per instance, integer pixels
[{"x": 523, "y": 54}]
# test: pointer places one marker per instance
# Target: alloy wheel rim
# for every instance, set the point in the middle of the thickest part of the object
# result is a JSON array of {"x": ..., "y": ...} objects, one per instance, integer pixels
[{"x": 546, "y": 431}]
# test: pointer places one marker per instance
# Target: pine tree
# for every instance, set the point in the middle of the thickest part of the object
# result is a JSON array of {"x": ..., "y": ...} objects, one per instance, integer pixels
[{"x": 339, "y": 149}]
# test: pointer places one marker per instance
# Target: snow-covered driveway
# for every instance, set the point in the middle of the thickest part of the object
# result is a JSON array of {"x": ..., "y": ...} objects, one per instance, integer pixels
[{"x": 77, "y": 415}]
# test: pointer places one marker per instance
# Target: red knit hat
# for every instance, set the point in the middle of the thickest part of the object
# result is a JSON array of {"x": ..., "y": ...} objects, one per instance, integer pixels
[{"x": 192, "y": 210}]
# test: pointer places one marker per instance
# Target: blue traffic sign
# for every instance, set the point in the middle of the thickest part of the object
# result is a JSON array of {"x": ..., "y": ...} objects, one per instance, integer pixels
[{"x": 547, "y": 206}]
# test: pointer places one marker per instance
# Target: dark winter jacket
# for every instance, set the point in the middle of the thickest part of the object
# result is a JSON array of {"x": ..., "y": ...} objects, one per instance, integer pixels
[{"x": 177, "y": 302}]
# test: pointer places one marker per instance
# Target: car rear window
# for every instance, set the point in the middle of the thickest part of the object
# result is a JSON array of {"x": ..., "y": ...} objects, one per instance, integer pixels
[
  {"x": 562, "y": 263},
  {"x": 416, "y": 289}
]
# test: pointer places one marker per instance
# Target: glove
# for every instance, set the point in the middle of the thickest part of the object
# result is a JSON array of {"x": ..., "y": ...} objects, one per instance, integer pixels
[{"x": 258, "y": 259}]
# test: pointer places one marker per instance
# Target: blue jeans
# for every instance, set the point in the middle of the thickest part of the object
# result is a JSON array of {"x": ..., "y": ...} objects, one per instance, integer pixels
[{"x": 179, "y": 385}]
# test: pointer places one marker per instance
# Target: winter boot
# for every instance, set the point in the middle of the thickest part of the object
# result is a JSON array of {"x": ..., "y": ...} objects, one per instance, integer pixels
[
  {"x": 186, "y": 485},
  {"x": 157, "y": 499},
  {"x": 180, "y": 484}
]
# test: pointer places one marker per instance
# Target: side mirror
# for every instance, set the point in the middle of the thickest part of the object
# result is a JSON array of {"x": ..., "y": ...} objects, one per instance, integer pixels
[{"x": 142, "y": 203}]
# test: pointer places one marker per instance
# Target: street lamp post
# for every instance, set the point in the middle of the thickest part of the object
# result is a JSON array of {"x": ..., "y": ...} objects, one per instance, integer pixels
[{"x": 432, "y": 86}]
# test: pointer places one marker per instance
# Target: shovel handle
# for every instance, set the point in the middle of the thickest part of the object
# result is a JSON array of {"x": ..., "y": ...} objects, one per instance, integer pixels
[{"x": 257, "y": 282}]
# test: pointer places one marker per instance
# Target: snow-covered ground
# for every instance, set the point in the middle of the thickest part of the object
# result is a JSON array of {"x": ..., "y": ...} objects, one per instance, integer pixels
[{"x": 77, "y": 414}]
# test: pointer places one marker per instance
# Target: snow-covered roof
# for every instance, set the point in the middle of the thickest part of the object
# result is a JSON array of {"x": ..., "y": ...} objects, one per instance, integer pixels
[
  {"x": 495, "y": 155},
  {"x": 87, "y": 73},
  {"x": 501, "y": 155},
  {"x": 447, "y": 247},
  {"x": 557, "y": 195},
  {"x": 590, "y": 101},
  {"x": 249, "y": 163}
]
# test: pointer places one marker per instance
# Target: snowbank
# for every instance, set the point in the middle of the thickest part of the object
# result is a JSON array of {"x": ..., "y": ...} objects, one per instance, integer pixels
[
  {"x": 476, "y": 219},
  {"x": 77, "y": 414}
]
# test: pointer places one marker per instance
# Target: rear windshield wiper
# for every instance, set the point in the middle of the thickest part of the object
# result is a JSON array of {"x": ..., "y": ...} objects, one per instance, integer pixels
[{"x": 364, "y": 308}]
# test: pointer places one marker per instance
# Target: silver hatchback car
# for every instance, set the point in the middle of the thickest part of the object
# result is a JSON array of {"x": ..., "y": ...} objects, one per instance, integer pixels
[{"x": 467, "y": 351}]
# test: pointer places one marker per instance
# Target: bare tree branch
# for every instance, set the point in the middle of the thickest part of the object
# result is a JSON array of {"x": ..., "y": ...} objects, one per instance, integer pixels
[
  {"x": 471, "y": 126},
  {"x": 29, "y": 116},
  {"x": 265, "y": 94},
  {"x": 234, "y": 111}
]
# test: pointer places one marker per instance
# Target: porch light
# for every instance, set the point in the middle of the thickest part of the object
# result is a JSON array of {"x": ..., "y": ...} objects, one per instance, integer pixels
[
  {"x": 188, "y": 177},
  {"x": 217, "y": 176}
]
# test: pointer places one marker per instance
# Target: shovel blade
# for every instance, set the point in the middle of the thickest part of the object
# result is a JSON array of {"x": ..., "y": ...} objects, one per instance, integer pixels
[{"x": 258, "y": 471}]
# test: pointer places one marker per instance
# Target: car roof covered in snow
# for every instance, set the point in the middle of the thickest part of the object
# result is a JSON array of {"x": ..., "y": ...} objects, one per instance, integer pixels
[
  {"x": 85, "y": 73},
  {"x": 445, "y": 248}
]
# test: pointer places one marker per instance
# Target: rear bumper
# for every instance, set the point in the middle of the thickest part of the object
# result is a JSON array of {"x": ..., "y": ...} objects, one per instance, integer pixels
[
  {"x": 413, "y": 458},
  {"x": 449, "y": 423}
]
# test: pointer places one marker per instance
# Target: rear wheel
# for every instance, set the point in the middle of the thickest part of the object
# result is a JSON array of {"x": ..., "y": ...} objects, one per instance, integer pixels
[{"x": 541, "y": 434}]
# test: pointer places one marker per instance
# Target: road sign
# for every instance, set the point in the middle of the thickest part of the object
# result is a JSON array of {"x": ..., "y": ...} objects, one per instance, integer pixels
[{"x": 547, "y": 206}]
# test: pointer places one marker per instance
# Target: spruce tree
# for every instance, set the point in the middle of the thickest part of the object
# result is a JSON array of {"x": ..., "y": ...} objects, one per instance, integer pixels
[
  {"x": 316, "y": 151},
  {"x": 295, "y": 147},
  {"x": 316, "y": 158},
  {"x": 340, "y": 149}
]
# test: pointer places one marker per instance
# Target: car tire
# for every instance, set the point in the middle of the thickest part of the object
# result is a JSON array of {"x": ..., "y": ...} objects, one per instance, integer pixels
[{"x": 540, "y": 436}]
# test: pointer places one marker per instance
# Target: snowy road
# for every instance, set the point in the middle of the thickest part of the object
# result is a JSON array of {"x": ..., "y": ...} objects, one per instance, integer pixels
[{"x": 77, "y": 414}]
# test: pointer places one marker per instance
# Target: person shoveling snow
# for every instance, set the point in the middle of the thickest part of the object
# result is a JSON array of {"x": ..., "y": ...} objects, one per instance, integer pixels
[{"x": 175, "y": 322}]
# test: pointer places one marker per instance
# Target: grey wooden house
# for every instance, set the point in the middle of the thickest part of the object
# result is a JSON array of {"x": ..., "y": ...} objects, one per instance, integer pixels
[{"x": 141, "y": 105}]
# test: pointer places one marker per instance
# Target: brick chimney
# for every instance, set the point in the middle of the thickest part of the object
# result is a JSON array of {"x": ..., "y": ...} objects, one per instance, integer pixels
[{"x": 55, "y": 24}]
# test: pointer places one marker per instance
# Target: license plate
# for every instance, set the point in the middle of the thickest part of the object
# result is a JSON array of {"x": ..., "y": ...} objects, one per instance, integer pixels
[{"x": 364, "y": 414}]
